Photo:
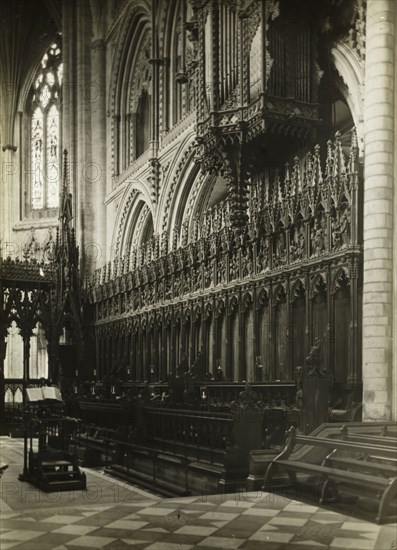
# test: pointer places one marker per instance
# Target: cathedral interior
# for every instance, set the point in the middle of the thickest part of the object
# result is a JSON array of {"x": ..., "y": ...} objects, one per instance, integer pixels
[{"x": 198, "y": 302}]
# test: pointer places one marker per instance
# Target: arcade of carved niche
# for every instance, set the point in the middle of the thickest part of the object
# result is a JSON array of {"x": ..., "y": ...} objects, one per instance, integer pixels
[{"x": 252, "y": 301}]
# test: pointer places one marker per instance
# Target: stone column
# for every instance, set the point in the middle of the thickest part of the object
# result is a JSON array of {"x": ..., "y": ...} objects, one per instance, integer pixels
[
  {"x": 394, "y": 379},
  {"x": 380, "y": 147},
  {"x": 98, "y": 252},
  {"x": 9, "y": 186}
]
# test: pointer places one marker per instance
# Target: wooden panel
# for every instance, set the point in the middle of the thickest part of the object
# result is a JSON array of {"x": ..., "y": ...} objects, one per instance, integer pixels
[
  {"x": 281, "y": 341},
  {"x": 235, "y": 346},
  {"x": 249, "y": 345},
  {"x": 319, "y": 316},
  {"x": 298, "y": 332},
  {"x": 223, "y": 344},
  {"x": 198, "y": 338},
  {"x": 264, "y": 340},
  {"x": 342, "y": 333},
  {"x": 210, "y": 344},
  {"x": 177, "y": 343},
  {"x": 187, "y": 338},
  {"x": 168, "y": 349}
]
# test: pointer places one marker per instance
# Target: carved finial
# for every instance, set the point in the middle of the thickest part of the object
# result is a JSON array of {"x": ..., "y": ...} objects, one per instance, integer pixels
[
  {"x": 65, "y": 211},
  {"x": 287, "y": 183},
  {"x": 317, "y": 171},
  {"x": 329, "y": 165},
  {"x": 296, "y": 177},
  {"x": 339, "y": 158},
  {"x": 308, "y": 173},
  {"x": 353, "y": 152},
  {"x": 276, "y": 187},
  {"x": 65, "y": 168}
]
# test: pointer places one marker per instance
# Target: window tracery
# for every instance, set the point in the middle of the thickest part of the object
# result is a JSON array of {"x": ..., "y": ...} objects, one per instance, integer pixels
[{"x": 45, "y": 130}]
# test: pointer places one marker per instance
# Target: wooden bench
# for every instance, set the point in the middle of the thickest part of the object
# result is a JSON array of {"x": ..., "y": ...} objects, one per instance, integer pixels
[
  {"x": 385, "y": 470},
  {"x": 371, "y": 438},
  {"x": 385, "y": 428},
  {"x": 381, "y": 488}
]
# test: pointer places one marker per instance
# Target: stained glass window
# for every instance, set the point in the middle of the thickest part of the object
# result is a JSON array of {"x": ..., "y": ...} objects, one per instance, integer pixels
[
  {"x": 45, "y": 130},
  {"x": 52, "y": 157},
  {"x": 37, "y": 160}
]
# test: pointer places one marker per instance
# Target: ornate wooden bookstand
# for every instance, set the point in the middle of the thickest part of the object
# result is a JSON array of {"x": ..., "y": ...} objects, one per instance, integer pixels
[{"x": 50, "y": 466}]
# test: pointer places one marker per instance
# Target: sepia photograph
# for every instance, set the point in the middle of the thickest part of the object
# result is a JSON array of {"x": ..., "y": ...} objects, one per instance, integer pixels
[{"x": 198, "y": 274}]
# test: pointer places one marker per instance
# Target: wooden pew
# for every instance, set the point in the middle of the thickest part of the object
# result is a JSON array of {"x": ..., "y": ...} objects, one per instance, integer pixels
[
  {"x": 351, "y": 434},
  {"x": 352, "y": 464},
  {"x": 383, "y": 428},
  {"x": 380, "y": 488}
]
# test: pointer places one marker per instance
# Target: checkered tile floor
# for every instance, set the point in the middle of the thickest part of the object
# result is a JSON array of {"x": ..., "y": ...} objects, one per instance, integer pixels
[{"x": 112, "y": 515}]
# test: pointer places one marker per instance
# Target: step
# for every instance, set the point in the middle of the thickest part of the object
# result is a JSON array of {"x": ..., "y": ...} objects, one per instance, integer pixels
[
  {"x": 54, "y": 463},
  {"x": 65, "y": 485},
  {"x": 62, "y": 472},
  {"x": 68, "y": 468},
  {"x": 61, "y": 475},
  {"x": 137, "y": 478}
]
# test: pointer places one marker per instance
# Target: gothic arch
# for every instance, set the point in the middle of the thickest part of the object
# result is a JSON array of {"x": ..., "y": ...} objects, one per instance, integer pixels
[
  {"x": 168, "y": 36},
  {"x": 297, "y": 288},
  {"x": 127, "y": 38},
  {"x": 135, "y": 26},
  {"x": 179, "y": 183},
  {"x": 279, "y": 293},
  {"x": 351, "y": 72},
  {"x": 318, "y": 284},
  {"x": 341, "y": 274},
  {"x": 25, "y": 89},
  {"x": 135, "y": 197},
  {"x": 263, "y": 297}
]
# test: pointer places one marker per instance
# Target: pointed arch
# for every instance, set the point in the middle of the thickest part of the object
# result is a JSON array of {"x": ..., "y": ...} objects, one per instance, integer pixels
[
  {"x": 351, "y": 72},
  {"x": 182, "y": 174},
  {"x": 43, "y": 130},
  {"x": 136, "y": 215},
  {"x": 128, "y": 69}
]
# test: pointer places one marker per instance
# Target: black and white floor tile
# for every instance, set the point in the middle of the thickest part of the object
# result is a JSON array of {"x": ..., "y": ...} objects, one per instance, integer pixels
[{"x": 113, "y": 516}]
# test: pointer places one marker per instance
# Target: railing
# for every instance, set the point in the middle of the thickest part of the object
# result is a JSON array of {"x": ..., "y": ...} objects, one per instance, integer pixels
[
  {"x": 271, "y": 394},
  {"x": 201, "y": 435},
  {"x": 104, "y": 414}
]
